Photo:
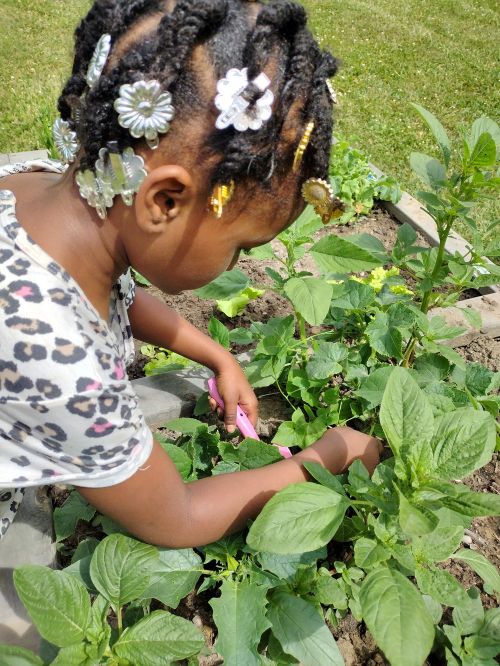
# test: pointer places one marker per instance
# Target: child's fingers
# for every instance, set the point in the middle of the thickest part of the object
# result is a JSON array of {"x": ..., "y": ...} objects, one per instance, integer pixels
[{"x": 230, "y": 415}]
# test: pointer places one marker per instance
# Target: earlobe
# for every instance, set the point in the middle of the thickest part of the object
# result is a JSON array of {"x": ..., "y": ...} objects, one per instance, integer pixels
[{"x": 165, "y": 194}]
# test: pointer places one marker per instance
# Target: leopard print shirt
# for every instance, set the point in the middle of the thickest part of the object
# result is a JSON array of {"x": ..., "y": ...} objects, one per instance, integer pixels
[{"x": 68, "y": 412}]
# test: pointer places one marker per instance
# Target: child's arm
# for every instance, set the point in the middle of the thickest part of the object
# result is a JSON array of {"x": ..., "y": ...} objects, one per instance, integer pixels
[
  {"x": 155, "y": 505},
  {"x": 157, "y": 323}
]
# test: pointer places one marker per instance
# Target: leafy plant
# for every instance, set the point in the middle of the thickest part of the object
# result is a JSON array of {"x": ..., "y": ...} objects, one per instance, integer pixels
[
  {"x": 162, "y": 360},
  {"x": 404, "y": 521},
  {"x": 355, "y": 183}
]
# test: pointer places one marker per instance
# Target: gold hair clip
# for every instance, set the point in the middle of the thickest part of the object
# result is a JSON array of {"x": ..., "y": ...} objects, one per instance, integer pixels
[
  {"x": 319, "y": 194},
  {"x": 221, "y": 195},
  {"x": 304, "y": 142}
]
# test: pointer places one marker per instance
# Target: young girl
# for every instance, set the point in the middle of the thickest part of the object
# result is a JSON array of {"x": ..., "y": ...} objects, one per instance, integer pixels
[{"x": 191, "y": 128}]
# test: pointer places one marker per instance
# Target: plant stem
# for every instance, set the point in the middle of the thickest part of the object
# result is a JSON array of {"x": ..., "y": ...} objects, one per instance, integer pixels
[
  {"x": 424, "y": 306},
  {"x": 120, "y": 620}
]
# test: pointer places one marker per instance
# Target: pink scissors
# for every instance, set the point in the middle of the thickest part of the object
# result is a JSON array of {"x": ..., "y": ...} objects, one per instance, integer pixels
[{"x": 242, "y": 420}]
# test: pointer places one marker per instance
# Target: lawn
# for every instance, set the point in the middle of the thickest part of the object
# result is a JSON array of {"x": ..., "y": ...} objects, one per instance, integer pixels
[{"x": 439, "y": 54}]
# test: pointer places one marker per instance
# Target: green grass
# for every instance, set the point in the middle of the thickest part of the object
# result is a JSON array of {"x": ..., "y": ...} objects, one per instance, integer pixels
[{"x": 442, "y": 55}]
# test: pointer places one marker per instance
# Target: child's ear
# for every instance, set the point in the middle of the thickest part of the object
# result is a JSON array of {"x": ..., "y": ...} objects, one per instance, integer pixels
[{"x": 164, "y": 194}]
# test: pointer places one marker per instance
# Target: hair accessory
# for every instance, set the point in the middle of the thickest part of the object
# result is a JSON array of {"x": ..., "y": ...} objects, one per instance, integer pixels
[
  {"x": 220, "y": 197},
  {"x": 145, "y": 110},
  {"x": 331, "y": 90},
  {"x": 97, "y": 192},
  {"x": 65, "y": 139},
  {"x": 236, "y": 109},
  {"x": 319, "y": 194},
  {"x": 98, "y": 60},
  {"x": 123, "y": 172},
  {"x": 304, "y": 142}
]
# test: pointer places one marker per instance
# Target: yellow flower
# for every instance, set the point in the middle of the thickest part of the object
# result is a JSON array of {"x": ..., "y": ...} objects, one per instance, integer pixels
[{"x": 401, "y": 289}]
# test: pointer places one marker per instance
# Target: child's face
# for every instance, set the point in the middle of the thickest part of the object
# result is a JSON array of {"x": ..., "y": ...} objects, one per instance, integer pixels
[{"x": 191, "y": 246}]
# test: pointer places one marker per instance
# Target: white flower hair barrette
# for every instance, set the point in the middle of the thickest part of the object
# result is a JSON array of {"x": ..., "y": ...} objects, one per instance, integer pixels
[
  {"x": 65, "y": 139},
  {"x": 235, "y": 108},
  {"x": 145, "y": 110}
]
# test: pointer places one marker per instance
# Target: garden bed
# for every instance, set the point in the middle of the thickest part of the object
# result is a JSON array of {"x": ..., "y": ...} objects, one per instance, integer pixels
[{"x": 198, "y": 312}]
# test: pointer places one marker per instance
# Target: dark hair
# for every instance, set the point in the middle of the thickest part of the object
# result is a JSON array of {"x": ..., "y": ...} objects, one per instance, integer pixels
[{"x": 278, "y": 42}]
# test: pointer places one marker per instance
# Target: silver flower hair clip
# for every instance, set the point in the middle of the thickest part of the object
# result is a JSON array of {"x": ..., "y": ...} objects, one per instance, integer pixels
[
  {"x": 123, "y": 171},
  {"x": 98, "y": 193},
  {"x": 116, "y": 173},
  {"x": 145, "y": 110},
  {"x": 235, "y": 109},
  {"x": 65, "y": 139},
  {"x": 98, "y": 60}
]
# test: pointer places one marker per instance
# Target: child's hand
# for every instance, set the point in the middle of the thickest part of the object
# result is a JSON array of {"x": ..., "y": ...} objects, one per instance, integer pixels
[{"x": 234, "y": 388}]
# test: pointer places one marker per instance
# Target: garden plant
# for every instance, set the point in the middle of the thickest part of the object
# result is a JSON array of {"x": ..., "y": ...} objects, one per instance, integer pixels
[{"x": 361, "y": 346}]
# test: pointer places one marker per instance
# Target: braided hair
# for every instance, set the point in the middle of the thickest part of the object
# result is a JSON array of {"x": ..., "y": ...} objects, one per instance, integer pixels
[{"x": 157, "y": 39}]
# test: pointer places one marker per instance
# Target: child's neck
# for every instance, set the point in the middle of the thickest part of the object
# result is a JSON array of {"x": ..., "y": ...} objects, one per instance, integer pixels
[{"x": 52, "y": 212}]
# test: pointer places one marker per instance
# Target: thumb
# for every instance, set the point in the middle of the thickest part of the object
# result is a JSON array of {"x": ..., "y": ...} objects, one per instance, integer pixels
[{"x": 230, "y": 414}]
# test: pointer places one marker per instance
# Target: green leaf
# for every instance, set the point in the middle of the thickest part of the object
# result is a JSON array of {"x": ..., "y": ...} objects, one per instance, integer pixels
[
  {"x": 121, "y": 568},
  {"x": 179, "y": 457},
  {"x": 415, "y": 521},
  {"x": 300, "y": 518},
  {"x": 478, "y": 378},
  {"x": 310, "y": 297},
  {"x": 12, "y": 655},
  {"x": 330, "y": 591},
  {"x": 385, "y": 339},
  {"x": 473, "y": 504},
  {"x": 57, "y": 602},
  {"x": 250, "y": 454},
  {"x": 437, "y": 130},
  {"x": 396, "y": 615},
  {"x": 407, "y": 419},
  {"x": 158, "y": 639},
  {"x": 286, "y": 566},
  {"x": 439, "y": 544},
  {"x": 491, "y": 625},
  {"x": 464, "y": 440},
  {"x": 326, "y": 478},
  {"x": 66, "y": 517},
  {"x": 352, "y": 295},
  {"x": 484, "y": 153},
  {"x": 73, "y": 655},
  {"x": 368, "y": 553},
  {"x": 334, "y": 254},
  {"x": 173, "y": 576},
  {"x": 473, "y": 317},
  {"x": 302, "y": 632},
  {"x": 441, "y": 586},
  {"x": 325, "y": 362},
  {"x": 184, "y": 425},
  {"x": 240, "y": 617},
  {"x": 428, "y": 169},
  {"x": 225, "y": 286},
  {"x": 84, "y": 549},
  {"x": 469, "y": 617},
  {"x": 372, "y": 388},
  {"x": 482, "y": 567},
  {"x": 218, "y": 332},
  {"x": 235, "y": 305},
  {"x": 479, "y": 127},
  {"x": 276, "y": 335}
]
